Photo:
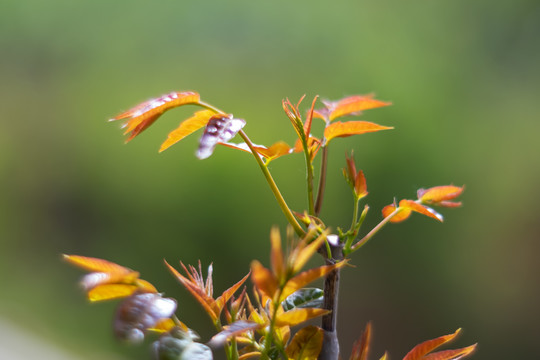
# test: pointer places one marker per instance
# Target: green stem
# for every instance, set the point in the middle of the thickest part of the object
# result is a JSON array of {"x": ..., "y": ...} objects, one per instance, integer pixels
[
  {"x": 277, "y": 194},
  {"x": 309, "y": 178},
  {"x": 376, "y": 229},
  {"x": 355, "y": 214},
  {"x": 322, "y": 180}
]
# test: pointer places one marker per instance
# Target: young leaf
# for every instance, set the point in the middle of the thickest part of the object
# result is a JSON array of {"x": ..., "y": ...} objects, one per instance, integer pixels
[
  {"x": 275, "y": 151},
  {"x": 439, "y": 195},
  {"x": 187, "y": 127},
  {"x": 450, "y": 354},
  {"x": 420, "y": 350},
  {"x": 227, "y": 294},
  {"x": 361, "y": 347},
  {"x": 302, "y": 254},
  {"x": 360, "y": 186},
  {"x": 164, "y": 326},
  {"x": 304, "y": 298},
  {"x": 111, "y": 291},
  {"x": 198, "y": 291},
  {"x": 294, "y": 116},
  {"x": 306, "y": 344},
  {"x": 421, "y": 209},
  {"x": 145, "y": 286},
  {"x": 249, "y": 355},
  {"x": 263, "y": 279},
  {"x": 353, "y": 104},
  {"x": 402, "y": 215},
  {"x": 219, "y": 129},
  {"x": 234, "y": 329},
  {"x": 144, "y": 115},
  {"x": 305, "y": 277},
  {"x": 309, "y": 118},
  {"x": 339, "y": 129},
  {"x": 96, "y": 265},
  {"x": 298, "y": 316},
  {"x": 276, "y": 255},
  {"x": 313, "y": 144}
]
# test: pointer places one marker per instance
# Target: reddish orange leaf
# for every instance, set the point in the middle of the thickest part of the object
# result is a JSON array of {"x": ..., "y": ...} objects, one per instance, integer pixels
[
  {"x": 298, "y": 316},
  {"x": 305, "y": 277},
  {"x": 349, "y": 128},
  {"x": 422, "y": 209},
  {"x": 450, "y": 354},
  {"x": 306, "y": 344},
  {"x": 111, "y": 291},
  {"x": 187, "y": 127},
  {"x": 227, "y": 294},
  {"x": 144, "y": 115},
  {"x": 439, "y": 195},
  {"x": 402, "y": 215},
  {"x": 198, "y": 293},
  {"x": 313, "y": 143},
  {"x": 309, "y": 118},
  {"x": 263, "y": 279},
  {"x": 353, "y": 104},
  {"x": 96, "y": 265},
  {"x": 350, "y": 171},
  {"x": 360, "y": 186},
  {"x": 361, "y": 346},
  {"x": 418, "y": 352}
]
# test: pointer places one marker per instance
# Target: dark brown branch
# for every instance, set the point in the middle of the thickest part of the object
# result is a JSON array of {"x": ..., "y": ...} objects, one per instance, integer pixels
[{"x": 330, "y": 349}]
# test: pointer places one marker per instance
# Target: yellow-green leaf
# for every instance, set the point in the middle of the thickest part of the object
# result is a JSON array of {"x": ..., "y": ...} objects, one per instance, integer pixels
[{"x": 306, "y": 344}]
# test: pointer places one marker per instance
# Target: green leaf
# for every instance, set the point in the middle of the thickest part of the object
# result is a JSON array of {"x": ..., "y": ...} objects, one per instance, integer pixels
[{"x": 304, "y": 298}]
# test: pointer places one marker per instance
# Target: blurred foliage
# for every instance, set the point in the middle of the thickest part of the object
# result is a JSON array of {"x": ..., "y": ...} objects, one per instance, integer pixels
[{"x": 464, "y": 80}]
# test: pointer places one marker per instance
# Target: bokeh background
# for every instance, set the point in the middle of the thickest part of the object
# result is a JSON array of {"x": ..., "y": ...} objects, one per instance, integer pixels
[{"x": 464, "y": 79}]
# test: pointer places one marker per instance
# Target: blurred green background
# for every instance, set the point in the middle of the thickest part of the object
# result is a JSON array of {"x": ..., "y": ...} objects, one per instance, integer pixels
[{"x": 464, "y": 79}]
